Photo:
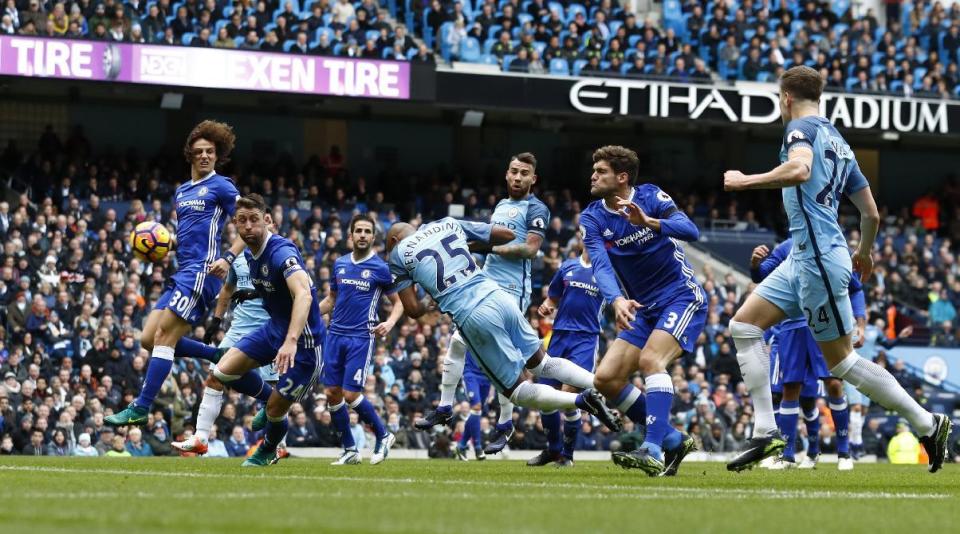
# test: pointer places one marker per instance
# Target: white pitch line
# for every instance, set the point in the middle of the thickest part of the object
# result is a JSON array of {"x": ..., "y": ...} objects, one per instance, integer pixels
[{"x": 635, "y": 491}]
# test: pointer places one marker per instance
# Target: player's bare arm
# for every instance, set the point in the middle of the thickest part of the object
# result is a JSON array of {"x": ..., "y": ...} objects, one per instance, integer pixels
[
  {"x": 223, "y": 302},
  {"x": 412, "y": 306},
  {"x": 869, "y": 225},
  {"x": 525, "y": 251},
  {"x": 299, "y": 285},
  {"x": 396, "y": 312},
  {"x": 548, "y": 307},
  {"x": 221, "y": 267},
  {"x": 328, "y": 303},
  {"x": 794, "y": 171}
]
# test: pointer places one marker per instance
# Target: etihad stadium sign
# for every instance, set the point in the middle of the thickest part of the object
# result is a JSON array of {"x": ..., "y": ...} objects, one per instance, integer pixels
[
  {"x": 758, "y": 104},
  {"x": 747, "y": 103}
]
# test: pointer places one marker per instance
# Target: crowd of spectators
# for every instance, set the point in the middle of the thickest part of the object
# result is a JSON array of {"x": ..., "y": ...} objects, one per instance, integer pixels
[
  {"x": 914, "y": 54},
  {"x": 320, "y": 27},
  {"x": 73, "y": 299},
  {"x": 696, "y": 40}
]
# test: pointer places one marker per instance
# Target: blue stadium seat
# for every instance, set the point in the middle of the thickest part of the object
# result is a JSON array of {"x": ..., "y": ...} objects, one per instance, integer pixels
[
  {"x": 876, "y": 69},
  {"x": 764, "y": 76},
  {"x": 372, "y": 34},
  {"x": 493, "y": 32},
  {"x": 488, "y": 45},
  {"x": 187, "y": 38},
  {"x": 896, "y": 86},
  {"x": 850, "y": 83},
  {"x": 840, "y": 7},
  {"x": 578, "y": 65},
  {"x": 324, "y": 30},
  {"x": 632, "y": 40},
  {"x": 470, "y": 50},
  {"x": 614, "y": 26},
  {"x": 288, "y": 44},
  {"x": 227, "y": 12},
  {"x": 489, "y": 59},
  {"x": 506, "y": 62},
  {"x": 572, "y": 11},
  {"x": 559, "y": 66},
  {"x": 918, "y": 74},
  {"x": 524, "y": 18},
  {"x": 238, "y": 40}
]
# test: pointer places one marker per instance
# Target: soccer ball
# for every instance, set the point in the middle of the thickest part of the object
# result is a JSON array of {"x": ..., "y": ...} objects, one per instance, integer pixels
[{"x": 150, "y": 241}]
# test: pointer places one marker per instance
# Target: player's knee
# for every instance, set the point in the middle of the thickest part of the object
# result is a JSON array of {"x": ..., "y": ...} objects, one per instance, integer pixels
[
  {"x": 742, "y": 330},
  {"x": 350, "y": 396},
  {"x": 334, "y": 395},
  {"x": 807, "y": 404},
  {"x": 834, "y": 387},
  {"x": 224, "y": 378},
  {"x": 606, "y": 382},
  {"x": 212, "y": 383}
]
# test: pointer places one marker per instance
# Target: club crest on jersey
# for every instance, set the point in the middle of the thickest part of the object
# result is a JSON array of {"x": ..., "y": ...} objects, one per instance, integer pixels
[
  {"x": 203, "y": 191},
  {"x": 264, "y": 270},
  {"x": 365, "y": 273},
  {"x": 513, "y": 212}
]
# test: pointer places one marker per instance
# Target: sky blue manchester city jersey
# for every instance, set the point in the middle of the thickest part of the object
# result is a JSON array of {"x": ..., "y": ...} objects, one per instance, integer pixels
[
  {"x": 580, "y": 303},
  {"x": 523, "y": 217},
  {"x": 359, "y": 285},
  {"x": 249, "y": 312},
  {"x": 203, "y": 207},
  {"x": 269, "y": 271},
  {"x": 812, "y": 206},
  {"x": 437, "y": 258}
]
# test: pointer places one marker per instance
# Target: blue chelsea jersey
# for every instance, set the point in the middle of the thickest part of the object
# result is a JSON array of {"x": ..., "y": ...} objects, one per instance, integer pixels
[
  {"x": 269, "y": 271},
  {"x": 812, "y": 206},
  {"x": 523, "y": 217},
  {"x": 437, "y": 258},
  {"x": 649, "y": 266},
  {"x": 359, "y": 285},
  {"x": 203, "y": 208},
  {"x": 580, "y": 303}
]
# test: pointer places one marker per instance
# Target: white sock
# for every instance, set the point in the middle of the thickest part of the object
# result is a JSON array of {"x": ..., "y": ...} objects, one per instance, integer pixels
[
  {"x": 572, "y": 415},
  {"x": 755, "y": 368},
  {"x": 563, "y": 371},
  {"x": 856, "y": 428},
  {"x": 452, "y": 369},
  {"x": 208, "y": 412},
  {"x": 506, "y": 408},
  {"x": 880, "y": 386},
  {"x": 543, "y": 397}
]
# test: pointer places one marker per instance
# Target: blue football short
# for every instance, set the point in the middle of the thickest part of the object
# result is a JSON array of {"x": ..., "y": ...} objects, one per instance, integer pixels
[
  {"x": 346, "y": 360},
  {"x": 262, "y": 345}
]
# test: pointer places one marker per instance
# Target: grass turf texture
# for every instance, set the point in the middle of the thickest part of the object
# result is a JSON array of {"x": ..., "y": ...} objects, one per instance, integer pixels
[{"x": 199, "y": 495}]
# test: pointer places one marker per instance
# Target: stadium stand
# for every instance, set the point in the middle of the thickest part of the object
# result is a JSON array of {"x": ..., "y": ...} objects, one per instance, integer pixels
[
  {"x": 72, "y": 299},
  {"x": 692, "y": 41}
]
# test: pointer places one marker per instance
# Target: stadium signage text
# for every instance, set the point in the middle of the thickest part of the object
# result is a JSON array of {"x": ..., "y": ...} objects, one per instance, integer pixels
[
  {"x": 202, "y": 67},
  {"x": 754, "y": 105}
]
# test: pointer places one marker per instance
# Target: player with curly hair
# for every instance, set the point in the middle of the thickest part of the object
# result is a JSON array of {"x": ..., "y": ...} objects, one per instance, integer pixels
[{"x": 203, "y": 205}]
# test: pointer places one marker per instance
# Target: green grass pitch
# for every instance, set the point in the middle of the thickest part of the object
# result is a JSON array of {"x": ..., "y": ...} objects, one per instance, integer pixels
[{"x": 124, "y": 495}]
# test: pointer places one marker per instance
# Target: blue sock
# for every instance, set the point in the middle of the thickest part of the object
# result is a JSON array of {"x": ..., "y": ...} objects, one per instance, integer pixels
[
  {"x": 504, "y": 428},
  {"x": 341, "y": 420},
  {"x": 672, "y": 440},
  {"x": 632, "y": 404},
  {"x": 812, "y": 420},
  {"x": 841, "y": 419},
  {"x": 191, "y": 348},
  {"x": 776, "y": 415},
  {"x": 252, "y": 385},
  {"x": 158, "y": 368},
  {"x": 789, "y": 415},
  {"x": 368, "y": 414},
  {"x": 659, "y": 400},
  {"x": 471, "y": 431},
  {"x": 275, "y": 432},
  {"x": 445, "y": 409},
  {"x": 551, "y": 423},
  {"x": 571, "y": 430}
]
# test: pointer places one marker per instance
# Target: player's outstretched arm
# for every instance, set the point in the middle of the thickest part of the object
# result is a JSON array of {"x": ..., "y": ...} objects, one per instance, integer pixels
[
  {"x": 794, "y": 171},
  {"x": 412, "y": 306},
  {"x": 524, "y": 251},
  {"x": 328, "y": 302},
  {"x": 500, "y": 235},
  {"x": 869, "y": 225},
  {"x": 299, "y": 285},
  {"x": 385, "y": 327},
  {"x": 221, "y": 267},
  {"x": 223, "y": 302}
]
